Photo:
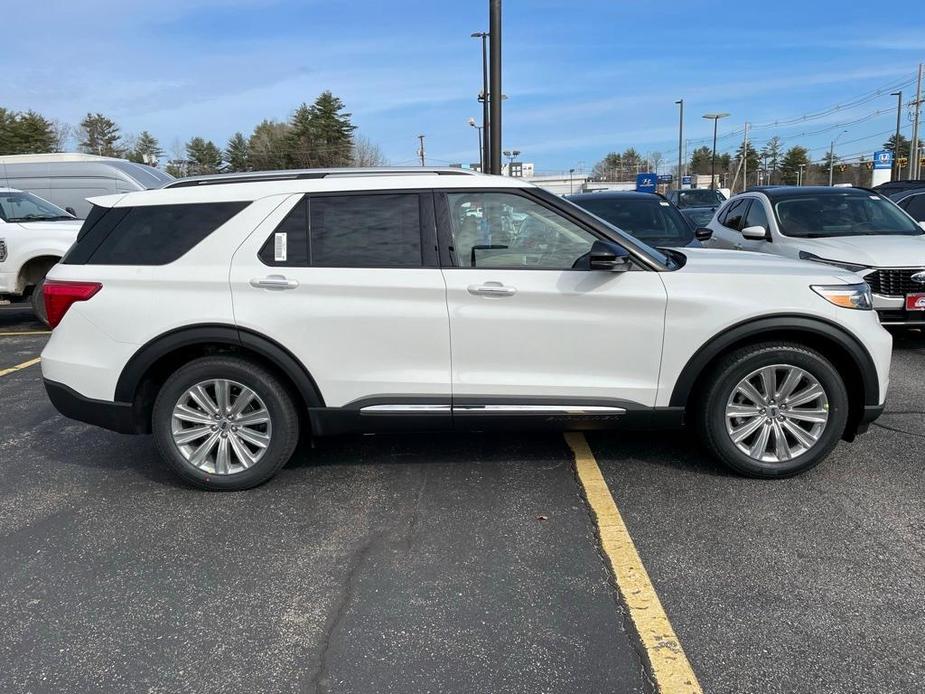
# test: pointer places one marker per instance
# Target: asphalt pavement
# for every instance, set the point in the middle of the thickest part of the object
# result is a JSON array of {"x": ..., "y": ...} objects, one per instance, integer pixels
[{"x": 451, "y": 563}]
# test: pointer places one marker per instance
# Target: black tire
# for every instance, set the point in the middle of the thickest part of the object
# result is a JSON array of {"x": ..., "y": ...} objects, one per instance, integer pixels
[
  {"x": 731, "y": 369},
  {"x": 279, "y": 404},
  {"x": 38, "y": 302}
]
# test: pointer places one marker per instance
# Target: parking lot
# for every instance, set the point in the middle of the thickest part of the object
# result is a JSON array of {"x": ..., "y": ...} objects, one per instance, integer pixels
[{"x": 451, "y": 563}]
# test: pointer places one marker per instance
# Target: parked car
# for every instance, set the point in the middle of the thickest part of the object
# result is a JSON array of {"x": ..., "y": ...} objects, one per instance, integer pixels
[
  {"x": 696, "y": 197},
  {"x": 226, "y": 315},
  {"x": 848, "y": 228},
  {"x": 890, "y": 188},
  {"x": 68, "y": 179},
  {"x": 34, "y": 235},
  {"x": 912, "y": 201},
  {"x": 646, "y": 216}
]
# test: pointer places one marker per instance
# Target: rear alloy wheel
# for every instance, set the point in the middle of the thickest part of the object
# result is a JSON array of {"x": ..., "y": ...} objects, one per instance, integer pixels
[
  {"x": 774, "y": 410},
  {"x": 224, "y": 423}
]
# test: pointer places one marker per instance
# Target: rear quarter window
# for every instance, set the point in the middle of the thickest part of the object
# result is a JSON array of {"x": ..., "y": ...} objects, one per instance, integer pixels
[{"x": 147, "y": 235}]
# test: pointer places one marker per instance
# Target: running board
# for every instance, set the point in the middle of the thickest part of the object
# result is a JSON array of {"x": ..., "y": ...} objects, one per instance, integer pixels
[{"x": 569, "y": 410}]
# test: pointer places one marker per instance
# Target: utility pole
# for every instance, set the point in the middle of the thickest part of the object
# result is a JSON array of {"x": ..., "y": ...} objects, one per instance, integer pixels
[
  {"x": 421, "y": 149},
  {"x": 486, "y": 129},
  {"x": 494, "y": 91},
  {"x": 800, "y": 174},
  {"x": 680, "y": 102},
  {"x": 897, "y": 167},
  {"x": 914, "y": 171},
  {"x": 831, "y": 160},
  {"x": 745, "y": 158}
]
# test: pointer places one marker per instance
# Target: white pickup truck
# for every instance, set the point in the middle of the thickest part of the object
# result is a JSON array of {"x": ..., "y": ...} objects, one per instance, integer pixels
[{"x": 34, "y": 235}]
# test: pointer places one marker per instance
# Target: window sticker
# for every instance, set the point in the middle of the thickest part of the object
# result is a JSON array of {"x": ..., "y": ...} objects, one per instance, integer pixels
[
  {"x": 663, "y": 204},
  {"x": 279, "y": 246}
]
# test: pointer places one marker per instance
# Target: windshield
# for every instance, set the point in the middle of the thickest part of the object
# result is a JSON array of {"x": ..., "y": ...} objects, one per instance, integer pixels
[
  {"x": 653, "y": 221},
  {"x": 842, "y": 214},
  {"x": 699, "y": 216},
  {"x": 700, "y": 197},
  {"x": 26, "y": 207}
]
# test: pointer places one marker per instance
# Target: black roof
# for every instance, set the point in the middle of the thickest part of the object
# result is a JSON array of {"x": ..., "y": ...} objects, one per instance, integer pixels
[
  {"x": 891, "y": 187},
  {"x": 789, "y": 192},
  {"x": 615, "y": 194}
]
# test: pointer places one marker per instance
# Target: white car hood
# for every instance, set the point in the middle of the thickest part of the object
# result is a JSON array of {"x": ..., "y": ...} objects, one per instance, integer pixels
[
  {"x": 715, "y": 261},
  {"x": 872, "y": 251}
]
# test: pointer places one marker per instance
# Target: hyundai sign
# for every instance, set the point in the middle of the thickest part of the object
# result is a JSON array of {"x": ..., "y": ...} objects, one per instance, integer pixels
[
  {"x": 883, "y": 159},
  {"x": 646, "y": 182}
]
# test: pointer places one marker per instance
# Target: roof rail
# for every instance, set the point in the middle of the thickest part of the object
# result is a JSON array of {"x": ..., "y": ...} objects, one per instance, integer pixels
[{"x": 302, "y": 174}]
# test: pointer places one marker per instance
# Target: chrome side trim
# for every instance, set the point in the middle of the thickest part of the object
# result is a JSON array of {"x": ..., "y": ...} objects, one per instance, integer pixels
[
  {"x": 537, "y": 409},
  {"x": 404, "y": 409}
]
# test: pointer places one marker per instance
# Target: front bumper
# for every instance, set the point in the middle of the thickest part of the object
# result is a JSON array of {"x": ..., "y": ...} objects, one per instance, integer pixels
[{"x": 115, "y": 416}]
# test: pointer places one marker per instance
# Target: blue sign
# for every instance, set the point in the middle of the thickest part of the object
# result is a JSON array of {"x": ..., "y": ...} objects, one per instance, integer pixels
[
  {"x": 665, "y": 178},
  {"x": 646, "y": 182},
  {"x": 686, "y": 181},
  {"x": 883, "y": 159}
]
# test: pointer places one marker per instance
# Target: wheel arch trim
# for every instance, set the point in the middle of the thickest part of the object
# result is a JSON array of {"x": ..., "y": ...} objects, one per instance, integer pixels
[
  {"x": 215, "y": 333},
  {"x": 768, "y": 325}
]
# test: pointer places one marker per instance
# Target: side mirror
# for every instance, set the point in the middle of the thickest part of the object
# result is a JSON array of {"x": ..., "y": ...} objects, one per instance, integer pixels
[
  {"x": 610, "y": 256},
  {"x": 703, "y": 234},
  {"x": 755, "y": 233},
  {"x": 71, "y": 211}
]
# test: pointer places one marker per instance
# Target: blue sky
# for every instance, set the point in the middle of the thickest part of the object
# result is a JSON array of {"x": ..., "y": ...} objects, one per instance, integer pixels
[{"x": 583, "y": 78}]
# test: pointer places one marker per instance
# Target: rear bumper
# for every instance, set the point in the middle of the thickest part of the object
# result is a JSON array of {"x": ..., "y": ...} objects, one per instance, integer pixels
[{"x": 115, "y": 416}]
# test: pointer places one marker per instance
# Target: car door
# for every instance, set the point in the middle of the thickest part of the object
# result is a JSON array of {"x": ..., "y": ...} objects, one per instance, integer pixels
[
  {"x": 527, "y": 330},
  {"x": 350, "y": 284},
  {"x": 755, "y": 216},
  {"x": 726, "y": 225}
]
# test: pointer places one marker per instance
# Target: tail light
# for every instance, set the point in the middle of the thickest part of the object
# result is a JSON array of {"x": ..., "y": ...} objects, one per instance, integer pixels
[{"x": 59, "y": 296}]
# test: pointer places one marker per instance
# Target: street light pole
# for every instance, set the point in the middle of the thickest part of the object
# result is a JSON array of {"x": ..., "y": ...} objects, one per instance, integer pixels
[
  {"x": 486, "y": 142},
  {"x": 715, "y": 118},
  {"x": 680, "y": 103},
  {"x": 481, "y": 152},
  {"x": 494, "y": 31},
  {"x": 800, "y": 174},
  {"x": 896, "y": 174},
  {"x": 570, "y": 172}
]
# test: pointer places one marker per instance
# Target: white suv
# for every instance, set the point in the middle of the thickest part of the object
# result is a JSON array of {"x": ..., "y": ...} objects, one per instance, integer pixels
[
  {"x": 34, "y": 234},
  {"x": 227, "y": 315},
  {"x": 849, "y": 228}
]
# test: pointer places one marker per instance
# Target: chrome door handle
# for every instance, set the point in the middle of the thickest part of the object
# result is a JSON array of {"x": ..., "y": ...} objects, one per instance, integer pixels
[
  {"x": 491, "y": 289},
  {"x": 274, "y": 282}
]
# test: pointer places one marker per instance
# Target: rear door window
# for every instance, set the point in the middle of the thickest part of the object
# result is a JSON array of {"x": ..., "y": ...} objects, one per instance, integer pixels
[{"x": 376, "y": 230}]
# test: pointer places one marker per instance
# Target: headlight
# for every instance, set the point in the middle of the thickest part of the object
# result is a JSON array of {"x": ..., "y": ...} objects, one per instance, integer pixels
[
  {"x": 856, "y": 296},
  {"x": 850, "y": 267}
]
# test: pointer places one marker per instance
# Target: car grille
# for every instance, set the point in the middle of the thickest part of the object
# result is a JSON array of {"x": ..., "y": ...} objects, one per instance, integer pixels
[{"x": 894, "y": 282}]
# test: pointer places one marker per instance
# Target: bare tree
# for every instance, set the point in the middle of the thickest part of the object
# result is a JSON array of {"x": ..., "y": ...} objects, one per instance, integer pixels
[
  {"x": 365, "y": 153},
  {"x": 63, "y": 135}
]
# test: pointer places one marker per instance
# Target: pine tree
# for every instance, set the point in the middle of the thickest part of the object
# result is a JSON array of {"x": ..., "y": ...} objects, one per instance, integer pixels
[
  {"x": 204, "y": 157},
  {"x": 331, "y": 132},
  {"x": 301, "y": 141},
  {"x": 7, "y": 131},
  {"x": 903, "y": 145},
  {"x": 793, "y": 159},
  {"x": 146, "y": 149},
  {"x": 100, "y": 135},
  {"x": 268, "y": 147},
  {"x": 701, "y": 161},
  {"x": 236, "y": 153},
  {"x": 771, "y": 154},
  {"x": 34, "y": 134}
]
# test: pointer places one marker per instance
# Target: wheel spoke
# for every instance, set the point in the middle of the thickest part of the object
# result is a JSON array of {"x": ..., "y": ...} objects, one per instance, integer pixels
[
  {"x": 252, "y": 418},
  {"x": 245, "y": 398},
  {"x": 737, "y": 410},
  {"x": 254, "y": 437},
  {"x": 743, "y": 432},
  {"x": 794, "y": 376},
  {"x": 200, "y": 454},
  {"x": 203, "y": 399},
  {"x": 815, "y": 416},
  {"x": 781, "y": 447},
  {"x": 185, "y": 436},
  {"x": 222, "y": 459},
  {"x": 244, "y": 456},
  {"x": 801, "y": 435},
  {"x": 806, "y": 395},
  {"x": 222, "y": 395},
  {"x": 188, "y": 414},
  {"x": 760, "y": 445},
  {"x": 768, "y": 382},
  {"x": 750, "y": 392}
]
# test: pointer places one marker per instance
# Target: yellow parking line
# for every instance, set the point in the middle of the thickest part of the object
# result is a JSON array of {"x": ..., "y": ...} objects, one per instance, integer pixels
[
  {"x": 26, "y": 332},
  {"x": 670, "y": 667},
  {"x": 20, "y": 367}
]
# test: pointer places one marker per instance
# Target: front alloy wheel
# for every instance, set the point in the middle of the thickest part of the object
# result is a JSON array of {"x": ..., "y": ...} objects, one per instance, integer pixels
[{"x": 777, "y": 413}]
